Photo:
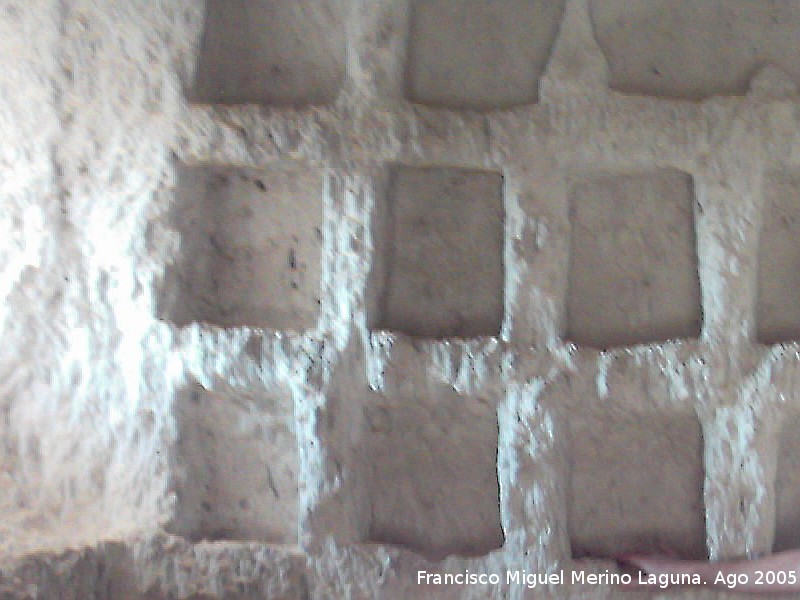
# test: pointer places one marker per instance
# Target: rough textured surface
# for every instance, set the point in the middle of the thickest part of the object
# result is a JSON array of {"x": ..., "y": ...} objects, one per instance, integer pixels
[
  {"x": 95, "y": 372},
  {"x": 431, "y": 467}
]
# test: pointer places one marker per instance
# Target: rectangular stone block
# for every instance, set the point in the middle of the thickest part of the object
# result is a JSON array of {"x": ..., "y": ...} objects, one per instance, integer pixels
[
  {"x": 480, "y": 53},
  {"x": 787, "y": 487},
  {"x": 694, "y": 50},
  {"x": 636, "y": 485},
  {"x": 236, "y": 465},
  {"x": 271, "y": 52},
  {"x": 251, "y": 245},
  {"x": 429, "y": 463},
  {"x": 778, "y": 309},
  {"x": 633, "y": 275},
  {"x": 443, "y": 259}
]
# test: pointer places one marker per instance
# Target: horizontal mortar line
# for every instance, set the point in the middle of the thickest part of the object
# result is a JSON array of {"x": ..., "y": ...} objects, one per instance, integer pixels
[
  {"x": 245, "y": 370},
  {"x": 218, "y": 340},
  {"x": 630, "y": 129},
  {"x": 253, "y": 136},
  {"x": 647, "y": 355}
]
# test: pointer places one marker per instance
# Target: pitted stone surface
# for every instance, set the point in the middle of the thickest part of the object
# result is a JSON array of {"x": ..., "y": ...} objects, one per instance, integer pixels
[
  {"x": 431, "y": 472},
  {"x": 636, "y": 485},
  {"x": 236, "y": 465}
]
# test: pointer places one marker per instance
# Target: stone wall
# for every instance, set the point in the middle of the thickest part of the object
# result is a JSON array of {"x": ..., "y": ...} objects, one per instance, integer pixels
[{"x": 301, "y": 297}]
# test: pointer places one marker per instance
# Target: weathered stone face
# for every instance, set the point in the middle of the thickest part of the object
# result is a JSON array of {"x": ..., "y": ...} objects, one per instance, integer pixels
[
  {"x": 261, "y": 51},
  {"x": 451, "y": 221},
  {"x": 250, "y": 248},
  {"x": 633, "y": 259},
  {"x": 299, "y": 298},
  {"x": 694, "y": 50}
]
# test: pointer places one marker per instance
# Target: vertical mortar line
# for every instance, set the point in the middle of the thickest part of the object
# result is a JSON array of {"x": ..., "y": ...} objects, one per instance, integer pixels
[
  {"x": 341, "y": 279},
  {"x": 736, "y": 492},
  {"x": 324, "y": 486},
  {"x": 293, "y": 365},
  {"x": 315, "y": 487},
  {"x": 704, "y": 244},
  {"x": 377, "y": 47},
  {"x": 749, "y": 184},
  {"x": 60, "y": 97},
  {"x": 348, "y": 199},
  {"x": 576, "y": 60},
  {"x": 759, "y": 465},
  {"x": 535, "y": 244},
  {"x": 762, "y": 394},
  {"x": 196, "y": 15},
  {"x": 738, "y": 462},
  {"x": 379, "y": 248},
  {"x": 723, "y": 525},
  {"x": 514, "y": 265},
  {"x": 755, "y": 392},
  {"x": 786, "y": 410},
  {"x": 727, "y": 229},
  {"x": 351, "y": 199},
  {"x": 532, "y": 478},
  {"x": 383, "y": 234}
]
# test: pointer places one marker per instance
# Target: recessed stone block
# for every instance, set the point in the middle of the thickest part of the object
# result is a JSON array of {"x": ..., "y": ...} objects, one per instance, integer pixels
[
  {"x": 633, "y": 262},
  {"x": 480, "y": 53},
  {"x": 689, "y": 49},
  {"x": 236, "y": 464},
  {"x": 787, "y": 487},
  {"x": 271, "y": 52},
  {"x": 636, "y": 485},
  {"x": 430, "y": 463},
  {"x": 443, "y": 260},
  {"x": 251, "y": 244},
  {"x": 778, "y": 311}
]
